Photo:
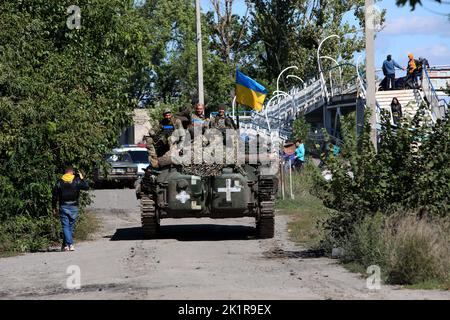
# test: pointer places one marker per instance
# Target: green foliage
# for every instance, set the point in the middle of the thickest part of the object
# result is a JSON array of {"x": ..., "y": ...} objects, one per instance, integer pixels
[
  {"x": 370, "y": 192},
  {"x": 289, "y": 32},
  {"x": 172, "y": 79},
  {"x": 301, "y": 128},
  {"x": 411, "y": 3},
  {"x": 410, "y": 171},
  {"x": 409, "y": 250},
  {"x": 365, "y": 245},
  {"x": 26, "y": 233},
  {"x": 65, "y": 95}
]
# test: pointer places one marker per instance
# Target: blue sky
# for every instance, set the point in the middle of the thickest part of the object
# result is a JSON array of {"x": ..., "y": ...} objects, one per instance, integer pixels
[{"x": 423, "y": 32}]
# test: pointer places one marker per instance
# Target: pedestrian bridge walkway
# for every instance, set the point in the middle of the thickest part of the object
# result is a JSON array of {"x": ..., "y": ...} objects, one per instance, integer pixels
[{"x": 332, "y": 93}]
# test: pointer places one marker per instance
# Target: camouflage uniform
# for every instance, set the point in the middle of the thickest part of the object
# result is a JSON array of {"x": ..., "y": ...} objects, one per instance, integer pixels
[
  {"x": 197, "y": 128},
  {"x": 222, "y": 123},
  {"x": 169, "y": 137},
  {"x": 197, "y": 121}
]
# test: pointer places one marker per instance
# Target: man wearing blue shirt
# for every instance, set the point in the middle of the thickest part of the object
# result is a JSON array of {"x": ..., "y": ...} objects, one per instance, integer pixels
[{"x": 389, "y": 72}]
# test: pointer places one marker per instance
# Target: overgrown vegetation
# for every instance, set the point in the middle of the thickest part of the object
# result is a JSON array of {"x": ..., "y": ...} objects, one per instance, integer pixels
[
  {"x": 65, "y": 95},
  {"x": 306, "y": 209},
  {"x": 24, "y": 233},
  {"x": 300, "y": 128},
  {"x": 391, "y": 208}
]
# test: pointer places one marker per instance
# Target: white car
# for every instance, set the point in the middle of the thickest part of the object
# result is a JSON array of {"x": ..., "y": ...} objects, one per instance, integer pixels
[{"x": 138, "y": 154}]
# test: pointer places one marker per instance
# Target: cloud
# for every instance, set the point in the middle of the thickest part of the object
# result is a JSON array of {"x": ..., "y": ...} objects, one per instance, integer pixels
[
  {"x": 418, "y": 25},
  {"x": 437, "y": 54}
]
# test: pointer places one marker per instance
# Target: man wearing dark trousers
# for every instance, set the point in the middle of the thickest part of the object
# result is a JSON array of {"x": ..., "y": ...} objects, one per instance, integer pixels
[
  {"x": 67, "y": 193},
  {"x": 389, "y": 66}
]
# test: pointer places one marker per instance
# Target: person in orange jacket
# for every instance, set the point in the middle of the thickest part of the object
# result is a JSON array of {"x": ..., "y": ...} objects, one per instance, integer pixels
[{"x": 412, "y": 71}]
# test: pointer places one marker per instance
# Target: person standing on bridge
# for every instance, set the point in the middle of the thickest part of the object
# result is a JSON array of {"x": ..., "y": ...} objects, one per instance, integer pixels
[
  {"x": 389, "y": 66},
  {"x": 67, "y": 193}
]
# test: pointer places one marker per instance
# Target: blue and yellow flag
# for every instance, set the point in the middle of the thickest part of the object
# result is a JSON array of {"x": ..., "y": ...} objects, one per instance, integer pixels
[{"x": 249, "y": 92}]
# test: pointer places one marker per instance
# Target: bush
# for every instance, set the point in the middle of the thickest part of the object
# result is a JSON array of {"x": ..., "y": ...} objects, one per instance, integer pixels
[
  {"x": 366, "y": 245},
  {"x": 25, "y": 233},
  {"x": 409, "y": 250},
  {"x": 370, "y": 193},
  {"x": 409, "y": 172}
]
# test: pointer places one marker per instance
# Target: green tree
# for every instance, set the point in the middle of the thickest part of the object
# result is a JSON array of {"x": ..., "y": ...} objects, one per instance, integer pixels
[
  {"x": 173, "y": 77},
  {"x": 65, "y": 93},
  {"x": 409, "y": 172},
  {"x": 291, "y": 31}
]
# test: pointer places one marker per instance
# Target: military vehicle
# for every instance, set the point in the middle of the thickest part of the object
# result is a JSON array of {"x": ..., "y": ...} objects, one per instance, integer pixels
[{"x": 215, "y": 191}]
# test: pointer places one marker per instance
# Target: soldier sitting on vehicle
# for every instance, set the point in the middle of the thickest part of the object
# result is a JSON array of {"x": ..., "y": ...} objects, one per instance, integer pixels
[
  {"x": 221, "y": 121},
  {"x": 184, "y": 115},
  {"x": 219, "y": 126},
  {"x": 198, "y": 119},
  {"x": 168, "y": 137}
]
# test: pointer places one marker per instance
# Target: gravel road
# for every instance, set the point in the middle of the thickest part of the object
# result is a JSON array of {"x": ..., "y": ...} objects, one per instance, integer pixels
[{"x": 194, "y": 259}]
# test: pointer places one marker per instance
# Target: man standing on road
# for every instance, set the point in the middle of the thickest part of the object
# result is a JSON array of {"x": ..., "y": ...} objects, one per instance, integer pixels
[
  {"x": 67, "y": 193},
  {"x": 389, "y": 71}
]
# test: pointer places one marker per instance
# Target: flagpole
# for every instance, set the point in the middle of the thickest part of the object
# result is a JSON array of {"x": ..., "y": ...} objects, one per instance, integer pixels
[
  {"x": 237, "y": 115},
  {"x": 199, "y": 53}
]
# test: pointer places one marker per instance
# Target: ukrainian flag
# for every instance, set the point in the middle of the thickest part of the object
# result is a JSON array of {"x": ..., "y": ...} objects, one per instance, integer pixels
[{"x": 249, "y": 92}]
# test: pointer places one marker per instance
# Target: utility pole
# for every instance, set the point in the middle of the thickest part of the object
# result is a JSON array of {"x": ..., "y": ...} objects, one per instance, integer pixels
[
  {"x": 201, "y": 98},
  {"x": 370, "y": 16}
]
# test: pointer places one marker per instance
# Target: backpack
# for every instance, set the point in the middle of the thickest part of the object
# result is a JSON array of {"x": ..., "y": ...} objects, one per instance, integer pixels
[{"x": 68, "y": 191}]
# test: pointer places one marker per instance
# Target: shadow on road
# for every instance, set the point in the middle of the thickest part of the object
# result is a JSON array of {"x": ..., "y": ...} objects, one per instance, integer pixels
[{"x": 191, "y": 232}]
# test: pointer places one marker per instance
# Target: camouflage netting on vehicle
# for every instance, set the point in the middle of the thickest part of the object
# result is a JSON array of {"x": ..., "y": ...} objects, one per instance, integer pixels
[{"x": 203, "y": 170}]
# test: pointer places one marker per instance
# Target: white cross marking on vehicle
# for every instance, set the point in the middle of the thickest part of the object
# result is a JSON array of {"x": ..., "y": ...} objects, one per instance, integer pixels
[
  {"x": 183, "y": 196},
  {"x": 194, "y": 179},
  {"x": 229, "y": 189}
]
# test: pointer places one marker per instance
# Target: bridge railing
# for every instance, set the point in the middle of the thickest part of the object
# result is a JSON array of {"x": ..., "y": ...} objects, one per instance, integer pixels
[
  {"x": 438, "y": 106},
  {"x": 340, "y": 79},
  {"x": 362, "y": 85},
  {"x": 281, "y": 113}
]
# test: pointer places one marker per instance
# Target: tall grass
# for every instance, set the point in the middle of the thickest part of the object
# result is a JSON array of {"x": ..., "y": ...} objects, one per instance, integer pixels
[
  {"x": 24, "y": 233},
  {"x": 306, "y": 209},
  {"x": 409, "y": 250}
]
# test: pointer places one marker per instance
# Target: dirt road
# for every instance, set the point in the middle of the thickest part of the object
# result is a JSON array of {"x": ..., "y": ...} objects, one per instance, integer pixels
[{"x": 195, "y": 259}]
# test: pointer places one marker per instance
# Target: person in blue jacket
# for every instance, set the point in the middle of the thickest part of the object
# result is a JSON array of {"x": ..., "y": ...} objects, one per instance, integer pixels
[
  {"x": 389, "y": 72},
  {"x": 299, "y": 153}
]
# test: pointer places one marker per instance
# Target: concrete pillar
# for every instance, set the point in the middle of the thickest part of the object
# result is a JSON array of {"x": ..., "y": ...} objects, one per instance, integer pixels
[
  {"x": 360, "y": 106},
  {"x": 327, "y": 119}
]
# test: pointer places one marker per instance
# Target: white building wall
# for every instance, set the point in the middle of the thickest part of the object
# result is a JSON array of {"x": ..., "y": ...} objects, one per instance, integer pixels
[{"x": 141, "y": 121}]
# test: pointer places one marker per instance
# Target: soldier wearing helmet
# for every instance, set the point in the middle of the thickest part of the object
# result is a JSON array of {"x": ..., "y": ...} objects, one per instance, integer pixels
[
  {"x": 221, "y": 121},
  {"x": 168, "y": 136}
]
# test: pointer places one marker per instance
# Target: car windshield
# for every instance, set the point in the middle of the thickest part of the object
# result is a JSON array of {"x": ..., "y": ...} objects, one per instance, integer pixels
[
  {"x": 139, "y": 156},
  {"x": 118, "y": 157}
]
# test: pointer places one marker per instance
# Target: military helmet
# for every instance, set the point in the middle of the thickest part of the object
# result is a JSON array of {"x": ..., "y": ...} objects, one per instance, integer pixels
[
  {"x": 166, "y": 111},
  {"x": 222, "y": 106}
]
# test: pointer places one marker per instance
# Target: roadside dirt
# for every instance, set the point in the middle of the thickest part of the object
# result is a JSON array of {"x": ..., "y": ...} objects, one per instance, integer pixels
[{"x": 194, "y": 259}]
